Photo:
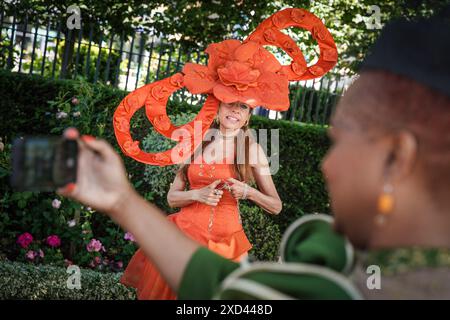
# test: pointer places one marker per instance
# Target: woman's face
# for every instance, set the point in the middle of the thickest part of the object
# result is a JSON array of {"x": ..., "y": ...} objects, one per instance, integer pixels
[
  {"x": 233, "y": 116},
  {"x": 354, "y": 169}
]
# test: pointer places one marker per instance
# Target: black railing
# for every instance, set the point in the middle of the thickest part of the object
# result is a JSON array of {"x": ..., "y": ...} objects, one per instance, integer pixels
[{"x": 50, "y": 49}]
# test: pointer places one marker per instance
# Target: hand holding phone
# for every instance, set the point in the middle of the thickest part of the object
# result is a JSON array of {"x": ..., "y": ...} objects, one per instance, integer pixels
[{"x": 102, "y": 182}]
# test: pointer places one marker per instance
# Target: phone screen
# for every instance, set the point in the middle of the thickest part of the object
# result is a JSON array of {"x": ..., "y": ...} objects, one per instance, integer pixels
[{"x": 43, "y": 163}]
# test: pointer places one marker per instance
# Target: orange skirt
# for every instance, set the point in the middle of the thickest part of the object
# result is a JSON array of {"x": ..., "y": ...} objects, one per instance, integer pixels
[{"x": 143, "y": 275}]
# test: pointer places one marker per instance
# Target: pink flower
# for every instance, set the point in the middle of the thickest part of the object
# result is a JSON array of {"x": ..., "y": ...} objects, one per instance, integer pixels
[
  {"x": 119, "y": 264},
  {"x": 53, "y": 241},
  {"x": 128, "y": 236},
  {"x": 30, "y": 255},
  {"x": 25, "y": 239},
  {"x": 94, "y": 245},
  {"x": 41, "y": 253},
  {"x": 92, "y": 264},
  {"x": 56, "y": 203},
  {"x": 75, "y": 101},
  {"x": 97, "y": 260}
]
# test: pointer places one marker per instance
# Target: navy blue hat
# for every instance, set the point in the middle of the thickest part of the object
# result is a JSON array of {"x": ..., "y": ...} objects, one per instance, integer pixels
[{"x": 418, "y": 50}]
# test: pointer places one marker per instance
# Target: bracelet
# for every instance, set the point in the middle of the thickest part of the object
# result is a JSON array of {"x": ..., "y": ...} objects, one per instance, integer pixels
[{"x": 244, "y": 195}]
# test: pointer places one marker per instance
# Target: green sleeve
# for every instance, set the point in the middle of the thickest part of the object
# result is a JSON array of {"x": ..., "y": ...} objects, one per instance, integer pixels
[{"x": 204, "y": 274}]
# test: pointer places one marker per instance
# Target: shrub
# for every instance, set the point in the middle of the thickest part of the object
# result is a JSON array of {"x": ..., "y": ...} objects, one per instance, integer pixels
[
  {"x": 30, "y": 104},
  {"x": 262, "y": 231},
  {"x": 24, "y": 281}
]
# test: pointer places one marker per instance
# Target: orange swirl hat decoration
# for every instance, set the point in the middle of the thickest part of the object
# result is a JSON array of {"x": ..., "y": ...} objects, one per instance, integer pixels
[{"x": 236, "y": 71}]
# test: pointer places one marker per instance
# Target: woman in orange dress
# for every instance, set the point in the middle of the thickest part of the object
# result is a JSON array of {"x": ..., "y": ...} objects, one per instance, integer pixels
[
  {"x": 238, "y": 76},
  {"x": 217, "y": 176}
]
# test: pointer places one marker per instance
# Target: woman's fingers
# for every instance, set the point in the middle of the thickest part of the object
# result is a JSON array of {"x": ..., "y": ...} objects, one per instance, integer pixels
[
  {"x": 99, "y": 146},
  {"x": 234, "y": 182},
  {"x": 216, "y": 192},
  {"x": 71, "y": 133},
  {"x": 214, "y": 198},
  {"x": 67, "y": 190},
  {"x": 214, "y": 184},
  {"x": 212, "y": 202}
]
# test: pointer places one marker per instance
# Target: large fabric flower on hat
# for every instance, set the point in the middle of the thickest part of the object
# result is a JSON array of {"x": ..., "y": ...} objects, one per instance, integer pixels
[
  {"x": 236, "y": 71},
  {"x": 244, "y": 72}
]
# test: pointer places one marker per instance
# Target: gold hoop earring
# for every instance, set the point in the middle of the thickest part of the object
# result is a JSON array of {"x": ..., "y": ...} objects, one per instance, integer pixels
[{"x": 385, "y": 204}]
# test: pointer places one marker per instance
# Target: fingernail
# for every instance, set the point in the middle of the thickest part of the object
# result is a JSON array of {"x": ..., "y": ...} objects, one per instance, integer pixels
[
  {"x": 87, "y": 138},
  {"x": 71, "y": 133},
  {"x": 69, "y": 187}
]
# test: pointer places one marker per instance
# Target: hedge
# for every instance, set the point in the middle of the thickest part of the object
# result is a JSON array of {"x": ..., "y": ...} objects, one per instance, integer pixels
[
  {"x": 30, "y": 282},
  {"x": 29, "y": 105}
]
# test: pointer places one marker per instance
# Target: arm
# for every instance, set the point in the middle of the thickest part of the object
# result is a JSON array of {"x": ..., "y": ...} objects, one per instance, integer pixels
[
  {"x": 204, "y": 275},
  {"x": 102, "y": 184},
  {"x": 267, "y": 196},
  {"x": 178, "y": 197}
]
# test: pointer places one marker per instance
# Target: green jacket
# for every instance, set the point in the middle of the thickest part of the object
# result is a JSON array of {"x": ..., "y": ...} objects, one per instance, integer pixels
[{"x": 317, "y": 263}]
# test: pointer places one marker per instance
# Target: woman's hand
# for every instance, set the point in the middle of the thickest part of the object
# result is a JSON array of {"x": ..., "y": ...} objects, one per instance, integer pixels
[
  {"x": 237, "y": 188},
  {"x": 208, "y": 195},
  {"x": 101, "y": 177}
]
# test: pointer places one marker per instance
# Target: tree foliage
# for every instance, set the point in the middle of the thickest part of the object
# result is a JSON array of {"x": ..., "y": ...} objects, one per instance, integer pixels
[{"x": 195, "y": 23}]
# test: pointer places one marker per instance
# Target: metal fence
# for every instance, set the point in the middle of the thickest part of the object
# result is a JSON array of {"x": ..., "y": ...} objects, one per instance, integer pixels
[{"x": 50, "y": 49}]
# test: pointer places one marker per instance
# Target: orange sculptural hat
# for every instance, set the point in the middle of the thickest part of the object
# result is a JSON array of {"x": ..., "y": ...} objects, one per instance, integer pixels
[{"x": 236, "y": 71}]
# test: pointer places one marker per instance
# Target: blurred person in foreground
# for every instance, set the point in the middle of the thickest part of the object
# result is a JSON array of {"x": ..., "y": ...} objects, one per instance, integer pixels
[{"x": 388, "y": 174}]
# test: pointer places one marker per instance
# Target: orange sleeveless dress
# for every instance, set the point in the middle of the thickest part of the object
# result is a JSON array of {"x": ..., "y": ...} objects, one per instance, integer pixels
[{"x": 217, "y": 228}]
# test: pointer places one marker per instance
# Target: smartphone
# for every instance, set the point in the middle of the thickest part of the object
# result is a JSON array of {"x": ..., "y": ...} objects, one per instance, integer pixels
[{"x": 43, "y": 163}]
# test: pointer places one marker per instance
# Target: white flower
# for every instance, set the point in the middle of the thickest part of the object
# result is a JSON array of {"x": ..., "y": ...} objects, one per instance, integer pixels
[
  {"x": 61, "y": 115},
  {"x": 71, "y": 223},
  {"x": 213, "y": 16},
  {"x": 56, "y": 203},
  {"x": 76, "y": 114}
]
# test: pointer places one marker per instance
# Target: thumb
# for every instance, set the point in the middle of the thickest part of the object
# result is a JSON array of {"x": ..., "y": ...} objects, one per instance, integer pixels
[{"x": 214, "y": 184}]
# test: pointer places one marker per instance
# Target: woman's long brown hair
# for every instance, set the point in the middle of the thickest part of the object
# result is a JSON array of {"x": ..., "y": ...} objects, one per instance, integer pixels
[{"x": 242, "y": 170}]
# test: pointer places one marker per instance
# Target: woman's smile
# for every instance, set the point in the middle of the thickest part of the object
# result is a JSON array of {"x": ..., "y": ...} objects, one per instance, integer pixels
[{"x": 233, "y": 119}]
